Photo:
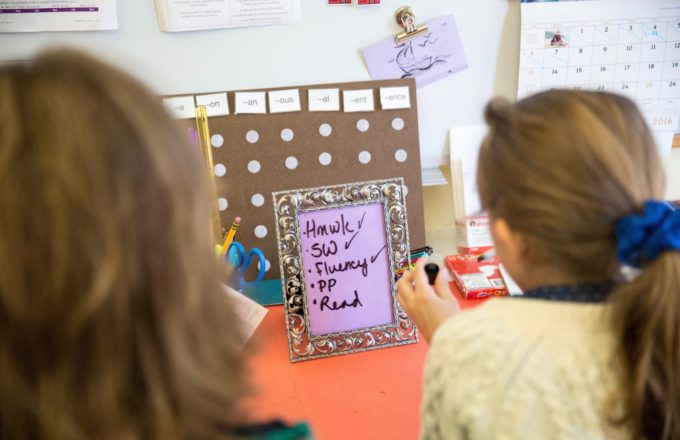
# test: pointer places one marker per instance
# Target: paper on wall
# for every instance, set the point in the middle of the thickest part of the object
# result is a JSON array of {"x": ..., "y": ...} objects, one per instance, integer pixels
[
  {"x": 182, "y": 15},
  {"x": 465, "y": 143},
  {"x": 430, "y": 57},
  {"x": 62, "y": 15}
]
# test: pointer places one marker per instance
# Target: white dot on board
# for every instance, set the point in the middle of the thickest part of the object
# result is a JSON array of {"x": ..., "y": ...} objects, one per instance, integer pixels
[
  {"x": 217, "y": 140},
  {"x": 362, "y": 125},
  {"x": 400, "y": 155},
  {"x": 291, "y": 162},
  {"x": 254, "y": 166},
  {"x": 220, "y": 170},
  {"x": 287, "y": 134},
  {"x": 257, "y": 200},
  {"x": 267, "y": 265},
  {"x": 252, "y": 136},
  {"x": 404, "y": 189},
  {"x": 325, "y": 130},
  {"x": 397, "y": 123},
  {"x": 364, "y": 157},
  {"x": 222, "y": 204},
  {"x": 325, "y": 158},
  {"x": 260, "y": 231}
]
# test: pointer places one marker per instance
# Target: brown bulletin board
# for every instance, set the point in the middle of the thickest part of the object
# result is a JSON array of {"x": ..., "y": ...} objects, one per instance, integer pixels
[{"x": 238, "y": 186}]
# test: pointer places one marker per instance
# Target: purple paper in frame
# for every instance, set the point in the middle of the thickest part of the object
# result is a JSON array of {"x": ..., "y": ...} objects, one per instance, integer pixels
[
  {"x": 347, "y": 273},
  {"x": 429, "y": 57}
]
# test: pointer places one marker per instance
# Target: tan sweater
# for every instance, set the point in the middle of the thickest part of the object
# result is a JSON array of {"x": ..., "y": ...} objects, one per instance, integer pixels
[{"x": 522, "y": 369}]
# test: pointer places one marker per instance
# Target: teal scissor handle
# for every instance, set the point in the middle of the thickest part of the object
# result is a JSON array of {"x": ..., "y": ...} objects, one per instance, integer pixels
[{"x": 242, "y": 260}]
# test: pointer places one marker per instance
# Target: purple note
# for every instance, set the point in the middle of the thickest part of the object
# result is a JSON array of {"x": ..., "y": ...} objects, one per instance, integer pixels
[
  {"x": 434, "y": 55},
  {"x": 347, "y": 272}
]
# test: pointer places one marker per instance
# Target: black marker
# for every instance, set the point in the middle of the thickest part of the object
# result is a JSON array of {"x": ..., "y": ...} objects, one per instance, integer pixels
[
  {"x": 487, "y": 255},
  {"x": 431, "y": 270}
]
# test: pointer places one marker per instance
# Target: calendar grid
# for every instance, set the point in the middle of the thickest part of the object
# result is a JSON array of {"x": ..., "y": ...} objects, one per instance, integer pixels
[{"x": 636, "y": 56}]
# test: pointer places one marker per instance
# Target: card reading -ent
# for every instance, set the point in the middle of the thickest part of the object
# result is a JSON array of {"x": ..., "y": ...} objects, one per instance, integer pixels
[{"x": 358, "y": 100}]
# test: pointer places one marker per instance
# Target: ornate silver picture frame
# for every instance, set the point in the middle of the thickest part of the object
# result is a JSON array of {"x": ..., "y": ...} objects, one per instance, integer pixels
[{"x": 339, "y": 247}]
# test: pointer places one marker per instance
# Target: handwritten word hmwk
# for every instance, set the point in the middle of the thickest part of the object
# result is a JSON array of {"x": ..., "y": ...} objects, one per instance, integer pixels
[{"x": 341, "y": 226}]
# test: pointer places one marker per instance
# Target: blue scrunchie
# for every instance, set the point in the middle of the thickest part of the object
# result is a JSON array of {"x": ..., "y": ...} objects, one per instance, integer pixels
[{"x": 642, "y": 237}]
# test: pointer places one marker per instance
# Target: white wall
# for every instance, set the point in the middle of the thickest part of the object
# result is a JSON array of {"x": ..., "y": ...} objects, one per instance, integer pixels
[{"x": 323, "y": 48}]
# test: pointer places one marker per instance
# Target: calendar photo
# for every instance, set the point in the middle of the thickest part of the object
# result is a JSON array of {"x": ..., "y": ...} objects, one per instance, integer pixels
[{"x": 555, "y": 39}]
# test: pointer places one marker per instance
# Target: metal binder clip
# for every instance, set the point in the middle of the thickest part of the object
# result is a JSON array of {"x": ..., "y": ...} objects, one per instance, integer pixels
[{"x": 406, "y": 18}]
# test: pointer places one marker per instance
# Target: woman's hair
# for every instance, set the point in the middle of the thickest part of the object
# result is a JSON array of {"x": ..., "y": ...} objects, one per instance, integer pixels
[
  {"x": 113, "y": 321},
  {"x": 562, "y": 168}
]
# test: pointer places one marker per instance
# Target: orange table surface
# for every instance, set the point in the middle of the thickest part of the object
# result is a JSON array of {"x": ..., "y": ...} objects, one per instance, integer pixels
[{"x": 368, "y": 395}]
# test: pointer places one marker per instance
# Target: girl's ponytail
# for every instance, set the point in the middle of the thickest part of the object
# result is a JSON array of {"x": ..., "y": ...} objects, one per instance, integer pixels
[{"x": 646, "y": 314}]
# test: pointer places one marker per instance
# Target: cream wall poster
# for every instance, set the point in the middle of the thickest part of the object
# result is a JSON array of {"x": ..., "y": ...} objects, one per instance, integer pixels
[
  {"x": 192, "y": 15},
  {"x": 63, "y": 15}
]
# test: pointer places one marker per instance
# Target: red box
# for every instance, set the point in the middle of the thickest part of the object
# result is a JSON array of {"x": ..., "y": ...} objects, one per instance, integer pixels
[{"x": 476, "y": 279}]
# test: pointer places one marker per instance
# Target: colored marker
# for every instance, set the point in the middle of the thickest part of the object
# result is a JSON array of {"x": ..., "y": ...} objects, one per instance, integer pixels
[
  {"x": 425, "y": 250},
  {"x": 230, "y": 235}
]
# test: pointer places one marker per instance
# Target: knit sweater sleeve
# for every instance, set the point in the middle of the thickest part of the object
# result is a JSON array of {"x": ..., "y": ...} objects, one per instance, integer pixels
[
  {"x": 455, "y": 374},
  {"x": 503, "y": 372}
]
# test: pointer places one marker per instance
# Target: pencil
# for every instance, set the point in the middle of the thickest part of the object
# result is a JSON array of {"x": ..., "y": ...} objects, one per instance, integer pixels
[{"x": 230, "y": 235}]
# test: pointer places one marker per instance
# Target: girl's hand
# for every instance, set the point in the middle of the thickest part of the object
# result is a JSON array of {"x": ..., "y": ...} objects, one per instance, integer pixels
[{"x": 427, "y": 307}]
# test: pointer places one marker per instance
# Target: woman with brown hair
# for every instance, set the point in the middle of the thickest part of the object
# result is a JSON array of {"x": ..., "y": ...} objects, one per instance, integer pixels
[
  {"x": 572, "y": 183},
  {"x": 113, "y": 319}
]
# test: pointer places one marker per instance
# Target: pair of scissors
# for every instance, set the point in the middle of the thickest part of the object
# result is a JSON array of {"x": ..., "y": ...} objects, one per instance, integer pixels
[{"x": 236, "y": 256}]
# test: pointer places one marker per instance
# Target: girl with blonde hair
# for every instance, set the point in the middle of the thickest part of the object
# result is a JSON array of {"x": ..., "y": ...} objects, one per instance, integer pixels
[
  {"x": 573, "y": 185},
  {"x": 113, "y": 319}
]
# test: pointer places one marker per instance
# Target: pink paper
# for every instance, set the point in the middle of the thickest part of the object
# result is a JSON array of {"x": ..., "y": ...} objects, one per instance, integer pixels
[
  {"x": 347, "y": 273},
  {"x": 434, "y": 55}
]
